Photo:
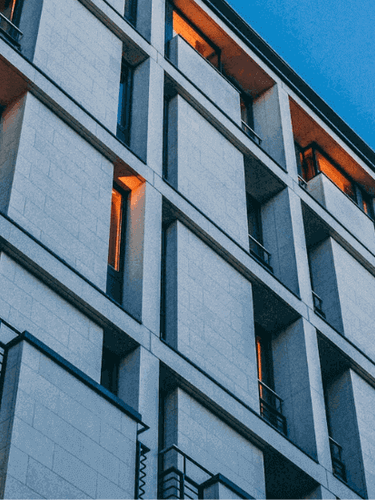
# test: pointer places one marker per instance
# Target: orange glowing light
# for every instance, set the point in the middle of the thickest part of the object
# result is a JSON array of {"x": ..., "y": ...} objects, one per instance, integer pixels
[
  {"x": 130, "y": 181},
  {"x": 184, "y": 29},
  {"x": 7, "y": 8},
  {"x": 259, "y": 357},
  {"x": 341, "y": 181},
  {"x": 115, "y": 231}
]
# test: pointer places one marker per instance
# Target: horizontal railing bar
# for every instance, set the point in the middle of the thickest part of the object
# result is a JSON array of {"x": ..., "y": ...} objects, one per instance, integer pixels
[
  {"x": 335, "y": 442},
  {"x": 260, "y": 245},
  {"x": 251, "y": 130},
  {"x": 12, "y": 25},
  {"x": 174, "y": 447},
  {"x": 270, "y": 390}
]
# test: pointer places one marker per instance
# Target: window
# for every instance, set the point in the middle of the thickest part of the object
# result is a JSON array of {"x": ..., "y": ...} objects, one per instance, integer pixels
[
  {"x": 178, "y": 24},
  {"x": 247, "y": 115},
  {"x": 311, "y": 161},
  {"x": 115, "y": 273},
  {"x": 270, "y": 402},
  {"x": 110, "y": 367},
  {"x": 131, "y": 11},
  {"x": 10, "y": 10},
  {"x": 124, "y": 103},
  {"x": 254, "y": 222}
]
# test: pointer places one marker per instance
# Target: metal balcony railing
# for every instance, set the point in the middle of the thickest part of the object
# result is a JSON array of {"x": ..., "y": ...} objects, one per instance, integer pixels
[
  {"x": 258, "y": 251},
  {"x": 140, "y": 469},
  {"x": 271, "y": 407},
  {"x": 250, "y": 133},
  {"x": 302, "y": 183},
  {"x": 10, "y": 30},
  {"x": 318, "y": 304},
  {"x": 175, "y": 479},
  {"x": 338, "y": 466}
]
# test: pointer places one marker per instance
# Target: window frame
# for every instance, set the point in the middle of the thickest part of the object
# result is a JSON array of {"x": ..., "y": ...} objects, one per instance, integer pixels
[
  {"x": 124, "y": 110},
  {"x": 115, "y": 279}
]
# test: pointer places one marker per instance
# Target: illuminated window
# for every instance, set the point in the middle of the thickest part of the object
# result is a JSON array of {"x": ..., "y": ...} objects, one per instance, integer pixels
[
  {"x": 124, "y": 103},
  {"x": 178, "y": 24},
  {"x": 115, "y": 272},
  {"x": 264, "y": 358}
]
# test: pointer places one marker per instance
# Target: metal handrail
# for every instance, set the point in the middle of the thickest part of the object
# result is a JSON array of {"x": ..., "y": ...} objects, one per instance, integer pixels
[
  {"x": 271, "y": 407},
  {"x": 302, "y": 183},
  {"x": 266, "y": 253},
  {"x": 271, "y": 390},
  {"x": 336, "y": 456},
  {"x": 19, "y": 33},
  {"x": 318, "y": 303},
  {"x": 253, "y": 135},
  {"x": 180, "y": 484}
]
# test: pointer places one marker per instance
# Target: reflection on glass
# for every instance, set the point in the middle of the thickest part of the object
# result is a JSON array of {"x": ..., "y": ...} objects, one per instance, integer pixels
[
  {"x": 184, "y": 29},
  {"x": 7, "y": 8},
  {"x": 115, "y": 231},
  {"x": 335, "y": 175}
]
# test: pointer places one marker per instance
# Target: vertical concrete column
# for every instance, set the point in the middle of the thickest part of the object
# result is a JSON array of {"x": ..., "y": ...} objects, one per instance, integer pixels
[
  {"x": 7, "y": 411},
  {"x": 151, "y": 260},
  {"x": 268, "y": 124},
  {"x": 278, "y": 238},
  {"x": 344, "y": 428},
  {"x": 324, "y": 282},
  {"x": 298, "y": 382},
  {"x": 299, "y": 242},
  {"x": 139, "y": 387},
  {"x": 287, "y": 131},
  {"x": 10, "y": 131},
  {"x": 139, "y": 110},
  {"x": 141, "y": 292},
  {"x": 155, "y": 118},
  {"x": 158, "y": 25}
]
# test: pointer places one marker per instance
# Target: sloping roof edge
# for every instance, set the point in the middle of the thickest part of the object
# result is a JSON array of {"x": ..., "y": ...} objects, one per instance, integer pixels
[{"x": 238, "y": 25}]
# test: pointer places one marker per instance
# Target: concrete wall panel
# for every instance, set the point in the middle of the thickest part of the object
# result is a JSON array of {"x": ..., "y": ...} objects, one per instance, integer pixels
[
  {"x": 31, "y": 305},
  {"x": 213, "y": 444},
  {"x": 77, "y": 445},
  {"x": 81, "y": 55},
  {"x": 61, "y": 191},
  {"x": 210, "y": 313},
  {"x": 207, "y": 169}
]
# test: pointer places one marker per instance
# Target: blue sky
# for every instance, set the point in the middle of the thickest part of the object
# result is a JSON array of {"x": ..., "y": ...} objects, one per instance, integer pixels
[{"x": 330, "y": 44}]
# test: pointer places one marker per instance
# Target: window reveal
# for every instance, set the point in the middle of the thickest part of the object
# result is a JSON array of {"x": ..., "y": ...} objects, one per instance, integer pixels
[{"x": 116, "y": 251}]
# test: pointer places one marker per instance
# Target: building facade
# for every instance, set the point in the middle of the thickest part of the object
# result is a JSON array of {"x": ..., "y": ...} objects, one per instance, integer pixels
[{"x": 187, "y": 262}]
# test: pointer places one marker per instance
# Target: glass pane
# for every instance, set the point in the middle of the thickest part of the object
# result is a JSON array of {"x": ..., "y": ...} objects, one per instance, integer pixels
[
  {"x": 335, "y": 175},
  {"x": 183, "y": 28},
  {"x": 115, "y": 231}
]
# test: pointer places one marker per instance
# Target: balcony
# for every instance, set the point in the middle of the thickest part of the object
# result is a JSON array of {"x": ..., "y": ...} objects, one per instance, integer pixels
[
  {"x": 10, "y": 30},
  {"x": 206, "y": 77},
  {"x": 271, "y": 408},
  {"x": 183, "y": 477},
  {"x": 343, "y": 208}
]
